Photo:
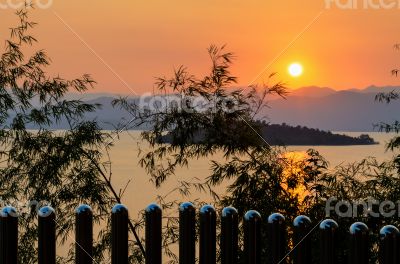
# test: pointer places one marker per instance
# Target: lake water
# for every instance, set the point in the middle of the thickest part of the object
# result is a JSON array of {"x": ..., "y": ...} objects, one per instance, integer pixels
[{"x": 141, "y": 192}]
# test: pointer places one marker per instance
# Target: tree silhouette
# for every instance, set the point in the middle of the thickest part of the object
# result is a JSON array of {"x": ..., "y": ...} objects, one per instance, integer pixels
[{"x": 47, "y": 167}]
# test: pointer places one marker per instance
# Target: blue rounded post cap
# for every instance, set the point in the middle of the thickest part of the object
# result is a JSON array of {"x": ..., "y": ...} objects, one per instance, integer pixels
[
  {"x": 207, "y": 209},
  {"x": 153, "y": 208},
  {"x": 276, "y": 218},
  {"x": 252, "y": 215},
  {"x": 328, "y": 224},
  {"x": 46, "y": 211},
  {"x": 301, "y": 221},
  {"x": 358, "y": 228},
  {"x": 119, "y": 208},
  {"x": 186, "y": 207},
  {"x": 389, "y": 231},
  {"x": 83, "y": 208},
  {"x": 9, "y": 211},
  {"x": 229, "y": 212}
]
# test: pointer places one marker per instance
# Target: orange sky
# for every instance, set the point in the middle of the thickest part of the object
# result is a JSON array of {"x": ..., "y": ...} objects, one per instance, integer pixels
[{"x": 143, "y": 39}]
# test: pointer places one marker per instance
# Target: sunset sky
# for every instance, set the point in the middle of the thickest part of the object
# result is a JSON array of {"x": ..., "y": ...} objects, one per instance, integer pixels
[{"x": 139, "y": 40}]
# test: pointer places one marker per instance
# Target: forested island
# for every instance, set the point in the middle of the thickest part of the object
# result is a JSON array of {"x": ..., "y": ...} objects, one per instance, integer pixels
[
  {"x": 286, "y": 135},
  {"x": 276, "y": 134}
]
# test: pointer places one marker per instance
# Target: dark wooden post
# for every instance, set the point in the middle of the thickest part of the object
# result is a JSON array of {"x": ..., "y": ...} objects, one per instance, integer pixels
[
  {"x": 389, "y": 250},
  {"x": 8, "y": 235},
  {"x": 277, "y": 238},
  {"x": 47, "y": 235},
  {"x": 302, "y": 240},
  {"x": 208, "y": 240},
  {"x": 328, "y": 229},
  {"x": 119, "y": 234},
  {"x": 187, "y": 233},
  {"x": 359, "y": 243},
  {"x": 229, "y": 235},
  {"x": 252, "y": 237},
  {"x": 84, "y": 235},
  {"x": 153, "y": 234}
]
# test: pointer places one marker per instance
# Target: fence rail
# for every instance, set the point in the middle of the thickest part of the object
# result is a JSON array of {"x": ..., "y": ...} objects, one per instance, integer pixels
[{"x": 229, "y": 239}]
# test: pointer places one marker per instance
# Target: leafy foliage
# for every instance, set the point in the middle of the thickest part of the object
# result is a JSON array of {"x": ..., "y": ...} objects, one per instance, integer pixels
[
  {"x": 257, "y": 176},
  {"x": 390, "y": 97},
  {"x": 225, "y": 119},
  {"x": 58, "y": 168}
]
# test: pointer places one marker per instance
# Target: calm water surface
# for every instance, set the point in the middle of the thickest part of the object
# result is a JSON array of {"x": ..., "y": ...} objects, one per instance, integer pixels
[{"x": 141, "y": 192}]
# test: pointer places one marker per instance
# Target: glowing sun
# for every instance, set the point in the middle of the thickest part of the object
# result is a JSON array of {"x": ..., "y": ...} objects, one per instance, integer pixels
[{"x": 295, "y": 69}]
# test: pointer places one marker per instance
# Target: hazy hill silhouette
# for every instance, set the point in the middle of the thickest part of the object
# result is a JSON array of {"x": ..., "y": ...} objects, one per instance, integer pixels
[
  {"x": 312, "y": 91},
  {"x": 350, "y": 110},
  {"x": 314, "y": 107}
]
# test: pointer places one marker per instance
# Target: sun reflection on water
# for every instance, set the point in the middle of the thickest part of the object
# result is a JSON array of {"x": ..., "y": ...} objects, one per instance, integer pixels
[{"x": 294, "y": 175}]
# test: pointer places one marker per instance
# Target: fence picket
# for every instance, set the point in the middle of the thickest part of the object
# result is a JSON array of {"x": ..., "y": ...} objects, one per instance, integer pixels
[
  {"x": 187, "y": 234},
  {"x": 153, "y": 234},
  {"x": 359, "y": 243},
  {"x": 252, "y": 237},
  {"x": 328, "y": 229},
  {"x": 208, "y": 240},
  {"x": 229, "y": 235},
  {"x": 359, "y": 233},
  {"x": 84, "y": 235},
  {"x": 277, "y": 237},
  {"x": 389, "y": 251},
  {"x": 302, "y": 240},
  {"x": 47, "y": 236},
  {"x": 8, "y": 235},
  {"x": 119, "y": 234}
]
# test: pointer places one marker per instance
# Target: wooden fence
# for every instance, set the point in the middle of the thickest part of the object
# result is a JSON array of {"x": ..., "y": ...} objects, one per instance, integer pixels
[{"x": 229, "y": 238}]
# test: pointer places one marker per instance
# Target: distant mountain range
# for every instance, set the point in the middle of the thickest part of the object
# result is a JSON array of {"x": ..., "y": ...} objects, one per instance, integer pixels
[
  {"x": 327, "y": 109},
  {"x": 315, "y": 107}
]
